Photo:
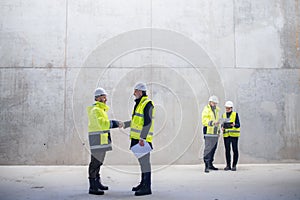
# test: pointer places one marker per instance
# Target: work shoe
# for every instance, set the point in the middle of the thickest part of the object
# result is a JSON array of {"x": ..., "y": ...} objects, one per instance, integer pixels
[
  {"x": 144, "y": 190},
  {"x": 96, "y": 191},
  {"x": 227, "y": 168},
  {"x": 206, "y": 170},
  {"x": 93, "y": 188},
  {"x": 136, "y": 188},
  {"x": 99, "y": 184},
  {"x": 213, "y": 168},
  {"x": 233, "y": 168}
]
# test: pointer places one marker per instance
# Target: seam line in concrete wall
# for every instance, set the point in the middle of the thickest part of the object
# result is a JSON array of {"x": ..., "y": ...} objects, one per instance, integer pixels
[
  {"x": 66, "y": 35},
  {"x": 65, "y": 67},
  {"x": 234, "y": 36}
]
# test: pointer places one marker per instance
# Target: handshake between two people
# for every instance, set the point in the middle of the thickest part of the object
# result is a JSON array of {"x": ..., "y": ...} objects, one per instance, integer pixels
[
  {"x": 121, "y": 124},
  {"x": 124, "y": 125}
]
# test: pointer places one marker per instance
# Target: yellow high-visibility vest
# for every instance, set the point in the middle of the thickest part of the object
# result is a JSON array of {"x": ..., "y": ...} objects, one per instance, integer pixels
[
  {"x": 98, "y": 126},
  {"x": 207, "y": 116},
  {"x": 137, "y": 121},
  {"x": 232, "y": 132}
]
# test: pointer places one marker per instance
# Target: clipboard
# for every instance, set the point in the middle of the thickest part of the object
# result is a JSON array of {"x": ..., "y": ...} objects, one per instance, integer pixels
[
  {"x": 140, "y": 151},
  {"x": 228, "y": 125}
]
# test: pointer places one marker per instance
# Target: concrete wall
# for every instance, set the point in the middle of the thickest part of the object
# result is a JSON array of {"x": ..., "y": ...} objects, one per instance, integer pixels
[{"x": 55, "y": 53}]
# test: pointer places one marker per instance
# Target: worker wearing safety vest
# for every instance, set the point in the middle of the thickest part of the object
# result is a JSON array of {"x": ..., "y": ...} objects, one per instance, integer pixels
[
  {"x": 210, "y": 122},
  {"x": 99, "y": 139},
  {"x": 141, "y": 130},
  {"x": 231, "y": 134}
]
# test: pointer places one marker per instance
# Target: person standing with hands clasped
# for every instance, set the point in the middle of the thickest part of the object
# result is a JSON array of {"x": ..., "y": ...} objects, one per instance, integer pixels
[
  {"x": 141, "y": 131},
  {"x": 211, "y": 124},
  {"x": 99, "y": 138},
  {"x": 231, "y": 134}
]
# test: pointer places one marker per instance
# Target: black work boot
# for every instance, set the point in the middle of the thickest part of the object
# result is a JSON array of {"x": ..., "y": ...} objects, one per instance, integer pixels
[
  {"x": 93, "y": 188},
  {"x": 227, "y": 168},
  {"x": 99, "y": 184},
  {"x": 233, "y": 168},
  {"x": 145, "y": 188},
  {"x": 136, "y": 188},
  {"x": 206, "y": 170},
  {"x": 212, "y": 167}
]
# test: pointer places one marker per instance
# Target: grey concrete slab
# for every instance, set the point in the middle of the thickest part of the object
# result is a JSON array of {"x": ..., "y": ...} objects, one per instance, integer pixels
[
  {"x": 90, "y": 23},
  {"x": 258, "y": 39},
  {"x": 215, "y": 32},
  {"x": 32, "y": 33},
  {"x": 274, "y": 182},
  {"x": 27, "y": 108}
]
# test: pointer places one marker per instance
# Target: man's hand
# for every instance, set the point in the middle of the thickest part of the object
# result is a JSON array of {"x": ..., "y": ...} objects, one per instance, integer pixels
[
  {"x": 121, "y": 124},
  {"x": 216, "y": 123},
  {"x": 141, "y": 142},
  {"x": 126, "y": 124}
]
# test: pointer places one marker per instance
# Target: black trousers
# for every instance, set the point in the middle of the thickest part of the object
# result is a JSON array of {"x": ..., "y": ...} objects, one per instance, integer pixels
[
  {"x": 228, "y": 142},
  {"x": 97, "y": 159}
]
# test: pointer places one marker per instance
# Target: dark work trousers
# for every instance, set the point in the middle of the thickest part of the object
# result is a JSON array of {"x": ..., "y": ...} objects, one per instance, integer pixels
[
  {"x": 211, "y": 144},
  {"x": 234, "y": 142},
  {"x": 97, "y": 159}
]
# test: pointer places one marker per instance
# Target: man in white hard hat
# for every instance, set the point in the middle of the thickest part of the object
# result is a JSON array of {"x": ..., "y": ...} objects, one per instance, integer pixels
[
  {"x": 99, "y": 138},
  {"x": 231, "y": 134},
  {"x": 210, "y": 122},
  {"x": 141, "y": 131}
]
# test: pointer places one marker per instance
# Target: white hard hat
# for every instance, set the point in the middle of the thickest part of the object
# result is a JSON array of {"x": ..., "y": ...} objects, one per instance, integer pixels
[
  {"x": 141, "y": 86},
  {"x": 99, "y": 92},
  {"x": 213, "y": 99},
  {"x": 229, "y": 104}
]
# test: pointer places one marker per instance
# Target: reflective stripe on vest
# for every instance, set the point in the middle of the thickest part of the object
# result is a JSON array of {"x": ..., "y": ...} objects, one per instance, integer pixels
[
  {"x": 99, "y": 140},
  {"x": 137, "y": 121},
  {"x": 139, "y": 131},
  {"x": 232, "y": 132},
  {"x": 211, "y": 135},
  {"x": 98, "y": 132},
  {"x": 101, "y": 147}
]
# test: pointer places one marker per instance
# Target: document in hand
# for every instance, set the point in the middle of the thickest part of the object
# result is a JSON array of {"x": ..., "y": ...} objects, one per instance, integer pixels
[{"x": 140, "y": 151}]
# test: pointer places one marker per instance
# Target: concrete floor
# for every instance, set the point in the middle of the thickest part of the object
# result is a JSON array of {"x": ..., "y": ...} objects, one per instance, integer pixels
[{"x": 272, "y": 181}]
